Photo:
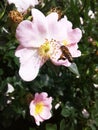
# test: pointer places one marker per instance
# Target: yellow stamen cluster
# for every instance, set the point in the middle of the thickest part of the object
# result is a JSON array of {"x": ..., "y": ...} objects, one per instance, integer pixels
[
  {"x": 38, "y": 108},
  {"x": 44, "y": 50}
]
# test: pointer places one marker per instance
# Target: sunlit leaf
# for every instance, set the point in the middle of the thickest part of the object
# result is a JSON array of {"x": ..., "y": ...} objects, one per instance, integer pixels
[{"x": 74, "y": 69}]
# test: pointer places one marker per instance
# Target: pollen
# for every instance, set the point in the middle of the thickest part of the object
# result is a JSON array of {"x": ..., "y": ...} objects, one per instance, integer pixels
[
  {"x": 44, "y": 50},
  {"x": 65, "y": 42},
  {"x": 38, "y": 108}
]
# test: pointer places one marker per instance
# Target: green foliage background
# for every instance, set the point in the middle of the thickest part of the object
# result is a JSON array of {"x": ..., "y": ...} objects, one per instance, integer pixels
[{"x": 73, "y": 93}]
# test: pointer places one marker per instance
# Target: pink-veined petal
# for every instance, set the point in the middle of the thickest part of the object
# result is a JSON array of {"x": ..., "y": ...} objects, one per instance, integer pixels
[
  {"x": 28, "y": 34},
  {"x": 40, "y": 97},
  {"x": 52, "y": 20},
  {"x": 62, "y": 26},
  {"x": 39, "y": 21},
  {"x": 48, "y": 102},
  {"x": 67, "y": 33}
]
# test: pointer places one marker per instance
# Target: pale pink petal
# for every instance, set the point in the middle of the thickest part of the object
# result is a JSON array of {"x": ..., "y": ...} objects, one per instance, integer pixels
[
  {"x": 66, "y": 23},
  {"x": 32, "y": 108},
  {"x": 56, "y": 55},
  {"x": 39, "y": 21},
  {"x": 52, "y": 20},
  {"x": 48, "y": 102},
  {"x": 62, "y": 62},
  {"x": 23, "y": 5},
  {"x": 67, "y": 63},
  {"x": 32, "y": 112},
  {"x": 33, "y": 2},
  {"x": 25, "y": 34},
  {"x": 38, "y": 119},
  {"x": 63, "y": 25},
  {"x": 24, "y": 53},
  {"x": 73, "y": 49},
  {"x": 44, "y": 95},
  {"x": 67, "y": 33},
  {"x": 45, "y": 114},
  {"x": 40, "y": 97},
  {"x": 74, "y": 36},
  {"x": 30, "y": 63},
  {"x": 30, "y": 70}
]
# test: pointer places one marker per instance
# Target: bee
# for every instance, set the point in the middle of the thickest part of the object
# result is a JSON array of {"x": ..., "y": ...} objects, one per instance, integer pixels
[{"x": 65, "y": 54}]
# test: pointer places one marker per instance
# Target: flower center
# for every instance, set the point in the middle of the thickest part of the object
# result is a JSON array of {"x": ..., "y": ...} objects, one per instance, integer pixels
[
  {"x": 38, "y": 108},
  {"x": 44, "y": 50}
]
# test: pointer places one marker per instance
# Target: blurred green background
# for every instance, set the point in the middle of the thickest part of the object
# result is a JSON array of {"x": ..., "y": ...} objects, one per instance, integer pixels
[{"x": 77, "y": 96}]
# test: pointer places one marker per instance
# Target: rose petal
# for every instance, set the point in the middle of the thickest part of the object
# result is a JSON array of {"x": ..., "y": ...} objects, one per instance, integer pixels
[
  {"x": 73, "y": 49},
  {"x": 52, "y": 20},
  {"x": 25, "y": 33},
  {"x": 48, "y": 102},
  {"x": 45, "y": 114},
  {"x": 63, "y": 26},
  {"x": 56, "y": 55},
  {"x": 40, "y": 97},
  {"x": 74, "y": 36},
  {"x": 39, "y": 21},
  {"x": 30, "y": 62},
  {"x": 23, "y": 5}
]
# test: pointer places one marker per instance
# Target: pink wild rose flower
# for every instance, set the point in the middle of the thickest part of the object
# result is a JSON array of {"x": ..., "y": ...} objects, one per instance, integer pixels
[
  {"x": 23, "y": 5},
  {"x": 41, "y": 39},
  {"x": 40, "y": 107}
]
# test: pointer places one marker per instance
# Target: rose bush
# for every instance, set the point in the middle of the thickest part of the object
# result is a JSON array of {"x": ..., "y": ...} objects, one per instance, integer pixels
[{"x": 53, "y": 45}]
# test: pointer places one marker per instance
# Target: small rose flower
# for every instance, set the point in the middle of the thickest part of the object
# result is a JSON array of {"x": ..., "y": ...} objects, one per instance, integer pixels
[
  {"x": 40, "y": 107},
  {"x": 42, "y": 39},
  {"x": 23, "y": 5}
]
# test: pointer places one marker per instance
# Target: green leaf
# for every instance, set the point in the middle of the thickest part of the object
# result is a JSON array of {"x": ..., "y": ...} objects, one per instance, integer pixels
[
  {"x": 93, "y": 127},
  {"x": 31, "y": 128},
  {"x": 73, "y": 68},
  {"x": 51, "y": 127},
  {"x": 68, "y": 111},
  {"x": 62, "y": 125}
]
